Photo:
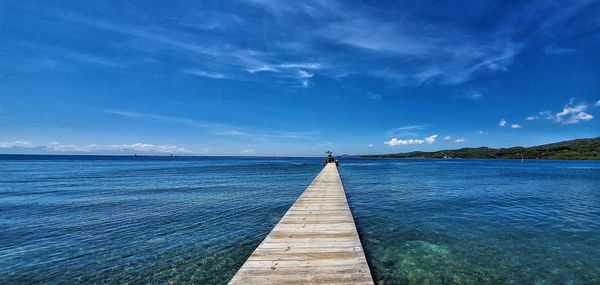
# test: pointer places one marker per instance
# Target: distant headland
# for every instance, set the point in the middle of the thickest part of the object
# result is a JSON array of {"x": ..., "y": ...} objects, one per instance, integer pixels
[{"x": 579, "y": 149}]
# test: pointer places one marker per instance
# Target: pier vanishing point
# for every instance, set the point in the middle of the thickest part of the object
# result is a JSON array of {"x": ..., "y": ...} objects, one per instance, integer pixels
[{"x": 315, "y": 242}]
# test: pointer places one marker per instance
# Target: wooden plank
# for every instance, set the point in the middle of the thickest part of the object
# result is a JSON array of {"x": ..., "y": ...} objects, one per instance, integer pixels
[{"x": 315, "y": 242}]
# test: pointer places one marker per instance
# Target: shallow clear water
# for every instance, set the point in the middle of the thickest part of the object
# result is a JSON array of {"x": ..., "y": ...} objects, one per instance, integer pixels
[
  {"x": 195, "y": 220},
  {"x": 478, "y": 221}
]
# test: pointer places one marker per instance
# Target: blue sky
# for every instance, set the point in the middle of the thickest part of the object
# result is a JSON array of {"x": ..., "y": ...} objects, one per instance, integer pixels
[{"x": 295, "y": 77}]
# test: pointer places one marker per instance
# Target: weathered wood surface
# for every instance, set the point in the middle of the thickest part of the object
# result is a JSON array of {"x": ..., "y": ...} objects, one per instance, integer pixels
[{"x": 314, "y": 243}]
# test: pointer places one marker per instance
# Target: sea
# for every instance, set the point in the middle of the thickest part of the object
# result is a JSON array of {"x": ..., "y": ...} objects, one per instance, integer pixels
[{"x": 195, "y": 220}]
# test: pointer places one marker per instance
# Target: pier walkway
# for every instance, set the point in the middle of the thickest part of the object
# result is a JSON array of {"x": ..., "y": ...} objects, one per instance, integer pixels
[{"x": 314, "y": 243}]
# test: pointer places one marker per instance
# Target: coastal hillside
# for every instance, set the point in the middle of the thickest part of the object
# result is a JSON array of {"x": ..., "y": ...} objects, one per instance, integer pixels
[{"x": 573, "y": 149}]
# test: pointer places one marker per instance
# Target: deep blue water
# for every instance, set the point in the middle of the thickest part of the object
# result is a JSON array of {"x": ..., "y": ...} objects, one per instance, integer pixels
[{"x": 195, "y": 220}]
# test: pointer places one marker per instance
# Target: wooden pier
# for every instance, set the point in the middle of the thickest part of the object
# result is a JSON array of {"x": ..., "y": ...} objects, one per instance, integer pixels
[{"x": 314, "y": 243}]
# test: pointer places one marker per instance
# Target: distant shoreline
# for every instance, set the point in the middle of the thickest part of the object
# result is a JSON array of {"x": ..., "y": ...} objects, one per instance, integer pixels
[{"x": 579, "y": 149}]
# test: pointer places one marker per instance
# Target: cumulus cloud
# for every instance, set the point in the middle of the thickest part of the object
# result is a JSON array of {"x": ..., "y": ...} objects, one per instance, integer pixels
[
  {"x": 146, "y": 147},
  {"x": 395, "y": 141},
  {"x": 69, "y": 148},
  {"x": 431, "y": 139},
  {"x": 15, "y": 144},
  {"x": 460, "y": 140},
  {"x": 572, "y": 114},
  {"x": 502, "y": 123}
]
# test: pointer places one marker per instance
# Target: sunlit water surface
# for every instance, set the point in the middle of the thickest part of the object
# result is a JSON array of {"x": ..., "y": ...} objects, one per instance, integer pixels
[{"x": 195, "y": 220}]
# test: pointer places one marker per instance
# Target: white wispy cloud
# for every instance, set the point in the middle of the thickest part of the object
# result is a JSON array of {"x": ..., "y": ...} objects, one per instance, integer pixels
[
  {"x": 63, "y": 57},
  {"x": 547, "y": 115},
  {"x": 475, "y": 95},
  {"x": 50, "y": 57},
  {"x": 553, "y": 50},
  {"x": 459, "y": 140},
  {"x": 597, "y": 103},
  {"x": 515, "y": 126},
  {"x": 231, "y": 133},
  {"x": 294, "y": 134},
  {"x": 289, "y": 70},
  {"x": 471, "y": 95},
  {"x": 262, "y": 68},
  {"x": 370, "y": 145},
  {"x": 441, "y": 56},
  {"x": 531, "y": 118},
  {"x": 283, "y": 66},
  {"x": 304, "y": 77},
  {"x": 395, "y": 141},
  {"x": 305, "y": 65},
  {"x": 374, "y": 96},
  {"x": 447, "y": 138},
  {"x": 95, "y": 59},
  {"x": 296, "y": 70},
  {"x": 335, "y": 38},
  {"x": 408, "y": 130},
  {"x": 203, "y": 73},
  {"x": 216, "y": 128},
  {"x": 223, "y": 55},
  {"x": 502, "y": 123},
  {"x": 411, "y": 128}
]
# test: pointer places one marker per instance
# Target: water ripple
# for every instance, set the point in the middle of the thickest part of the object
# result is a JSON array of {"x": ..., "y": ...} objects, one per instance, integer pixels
[{"x": 195, "y": 220}]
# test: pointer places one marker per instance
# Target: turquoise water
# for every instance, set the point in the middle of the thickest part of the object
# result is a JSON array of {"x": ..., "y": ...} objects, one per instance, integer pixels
[{"x": 195, "y": 220}]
